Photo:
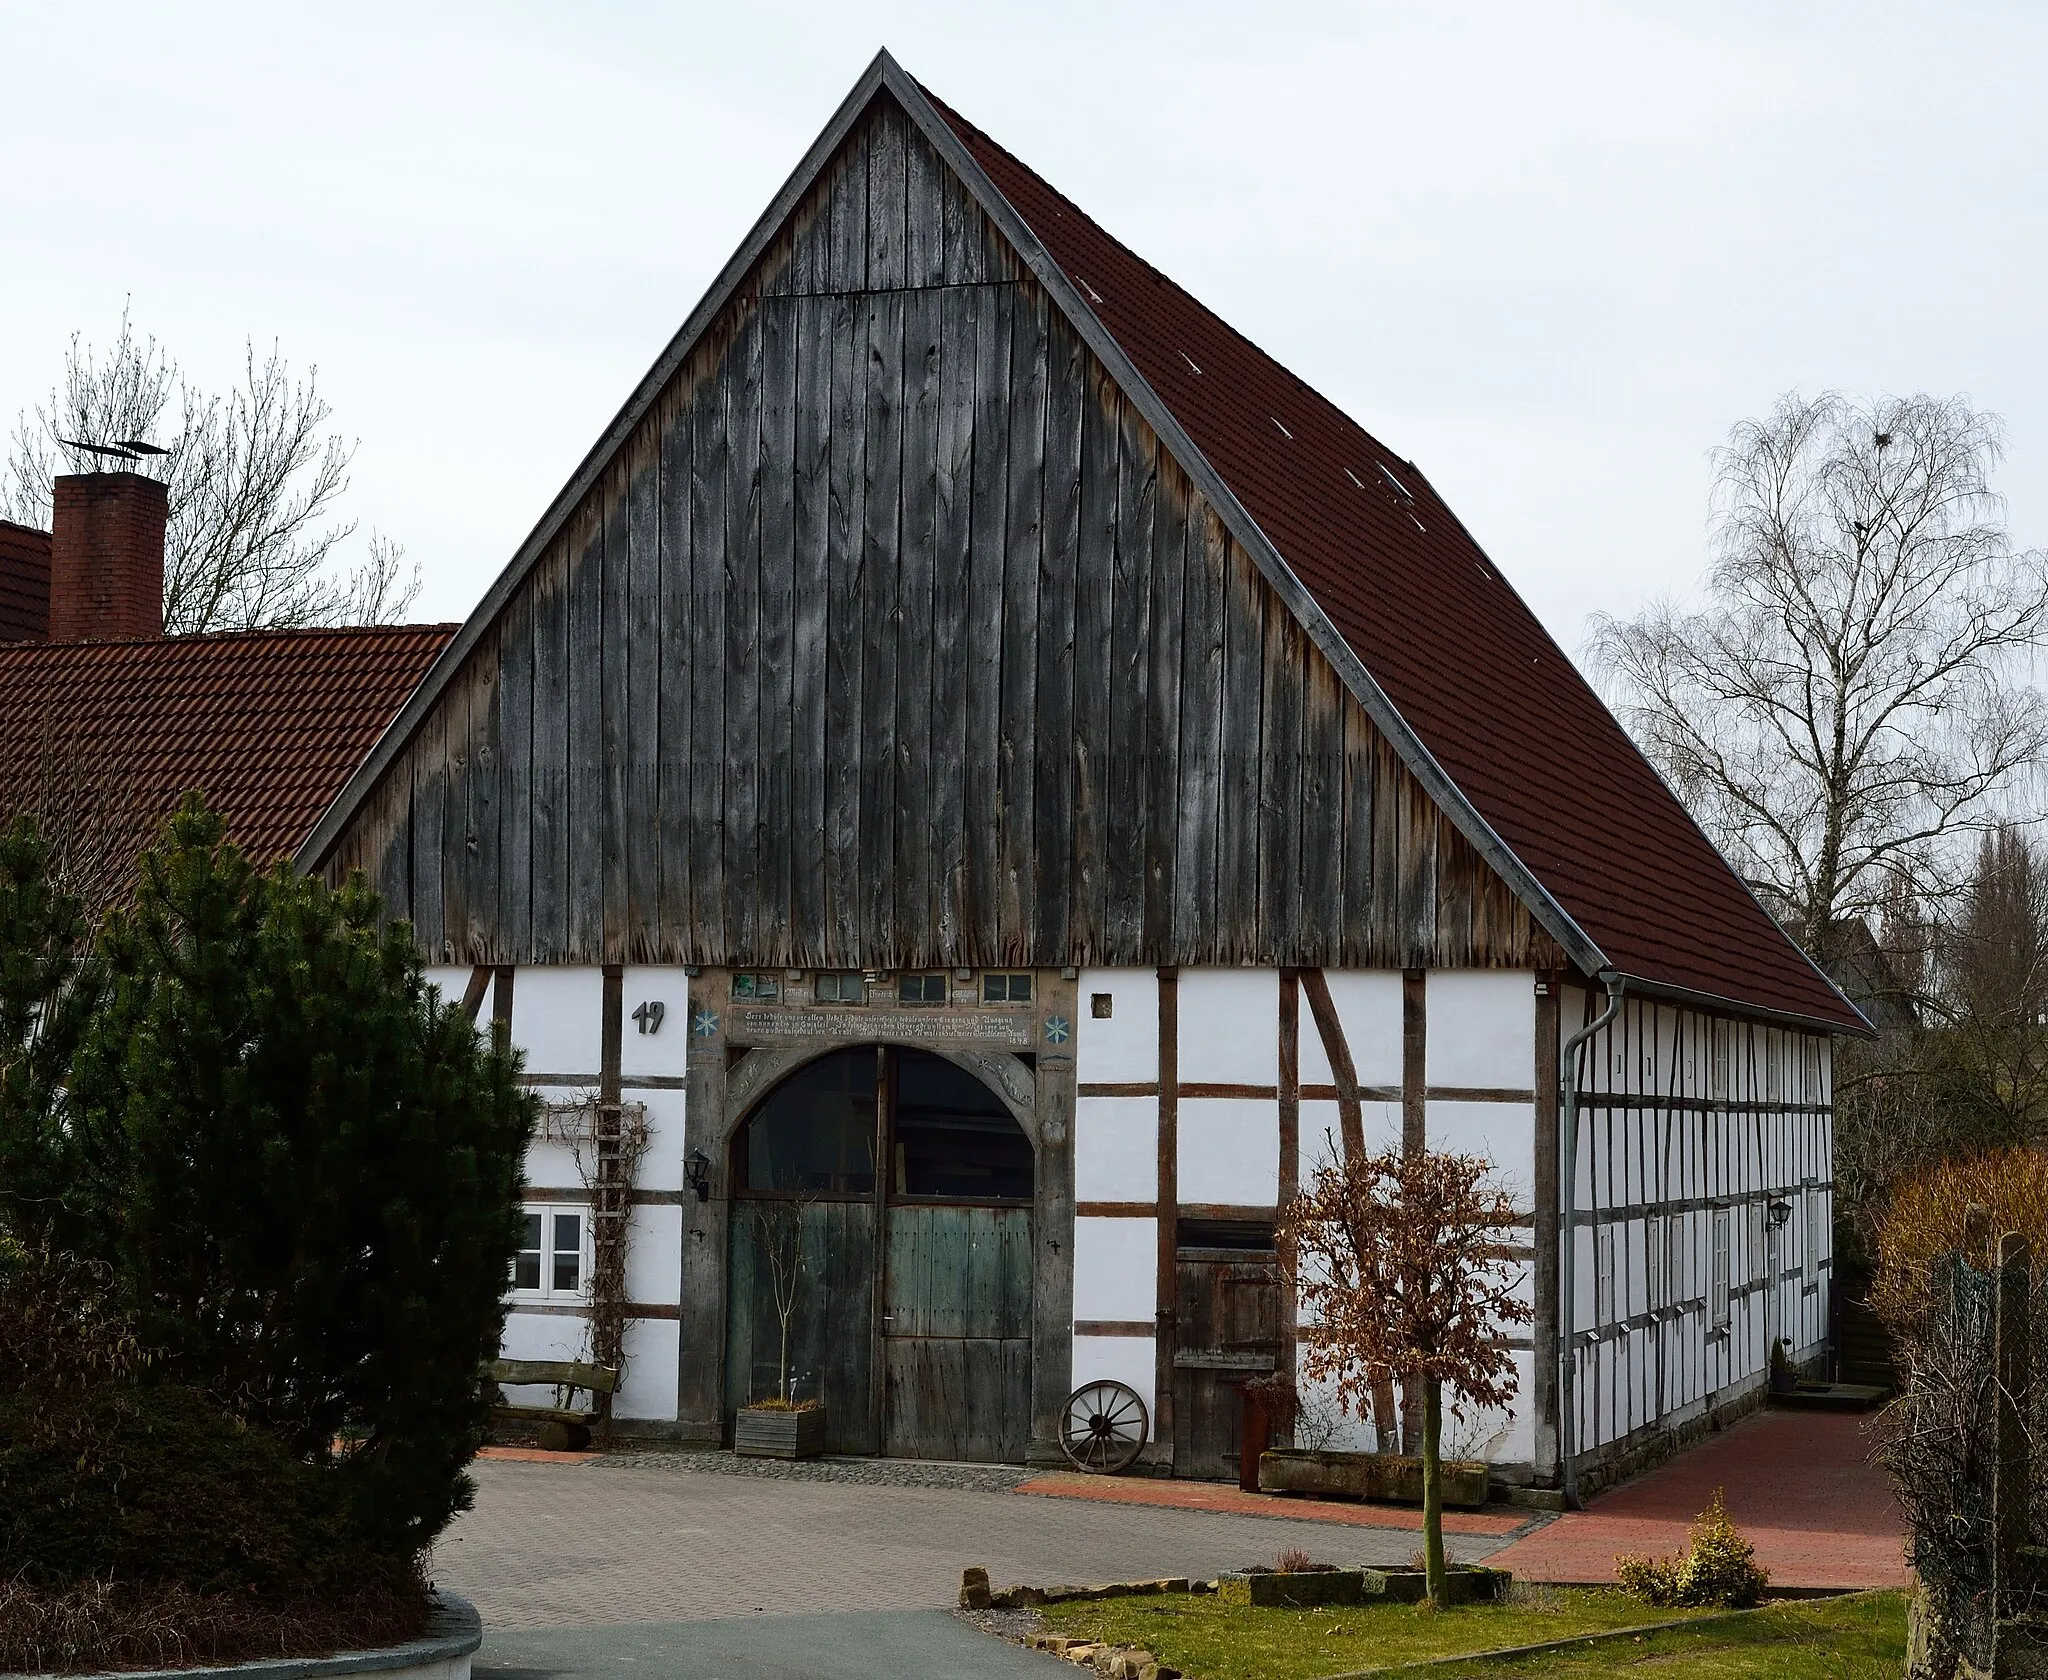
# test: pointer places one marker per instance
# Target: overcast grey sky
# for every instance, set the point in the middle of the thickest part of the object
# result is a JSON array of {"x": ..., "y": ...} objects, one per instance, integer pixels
[{"x": 1549, "y": 252}]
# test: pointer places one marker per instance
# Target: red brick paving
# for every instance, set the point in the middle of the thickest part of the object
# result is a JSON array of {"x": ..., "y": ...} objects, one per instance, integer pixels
[
  {"x": 1800, "y": 1485},
  {"x": 1220, "y": 1496},
  {"x": 534, "y": 1455}
]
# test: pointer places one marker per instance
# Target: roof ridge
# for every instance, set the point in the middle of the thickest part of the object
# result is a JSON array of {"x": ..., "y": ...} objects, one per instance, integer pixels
[{"x": 216, "y": 638}]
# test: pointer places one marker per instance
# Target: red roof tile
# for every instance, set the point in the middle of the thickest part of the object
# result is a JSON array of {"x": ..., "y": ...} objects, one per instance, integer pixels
[
  {"x": 270, "y": 724},
  {"x": 24, "y": 583},
  {"x": 1456, "y": 650}
]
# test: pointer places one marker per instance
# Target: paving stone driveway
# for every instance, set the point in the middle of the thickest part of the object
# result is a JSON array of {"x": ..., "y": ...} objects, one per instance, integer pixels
[{"x": 605, "y": 1543}]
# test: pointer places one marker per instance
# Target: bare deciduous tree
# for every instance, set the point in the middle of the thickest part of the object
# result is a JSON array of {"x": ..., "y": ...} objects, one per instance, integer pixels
[
  {"x": 1402, "y": 1261},
  {"x": 1850, "y": 697},
  {"x": 778, "y": 1227},
  {"x": 252, "y": 479},
  {"x": 1971, "y": 1071}
]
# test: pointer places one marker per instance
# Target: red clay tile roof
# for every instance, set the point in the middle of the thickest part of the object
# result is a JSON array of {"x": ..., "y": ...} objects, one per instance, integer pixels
[
  {"x": 1459, "y": 654},
  {"x": 24, "y": 583},
  {"x": 270, "y": 724}
]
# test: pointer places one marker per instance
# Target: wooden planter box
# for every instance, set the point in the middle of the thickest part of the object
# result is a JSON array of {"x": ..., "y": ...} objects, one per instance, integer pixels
[
  {"x": 1464, "y": 1583},
  {"x": 1392, "y": 1477},
  {"x": 1299, "y": 1591},
  {"x": 770, "y": 1432}
]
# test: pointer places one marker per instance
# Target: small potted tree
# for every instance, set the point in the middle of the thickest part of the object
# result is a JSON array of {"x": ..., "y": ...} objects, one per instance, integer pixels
[
  {"x": 780, "y": 1425},
  {"x": 1401, "y": 1263}
]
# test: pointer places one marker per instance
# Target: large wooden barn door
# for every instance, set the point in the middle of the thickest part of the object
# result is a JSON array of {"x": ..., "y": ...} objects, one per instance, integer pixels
[
  {"x": 956, "y": 1333},
  {"x": 944, "y": 1240},
  {"x": 1228, "y": 1328}
]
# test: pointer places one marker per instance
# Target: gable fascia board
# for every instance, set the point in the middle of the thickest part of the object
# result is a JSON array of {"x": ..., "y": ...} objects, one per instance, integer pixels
[
  {"x": 313, "y": 852},
  {"x": 1364, "y": 687}
]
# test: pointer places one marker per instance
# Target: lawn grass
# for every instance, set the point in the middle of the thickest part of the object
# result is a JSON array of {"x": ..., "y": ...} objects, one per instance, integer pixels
[
  {"x": 1858, "y": 1638},
  {"x": 1210, "y": 1640},
  {"x": 1821, "y": 1639}
]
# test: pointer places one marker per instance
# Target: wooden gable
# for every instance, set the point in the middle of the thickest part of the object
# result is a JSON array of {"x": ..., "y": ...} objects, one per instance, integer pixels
[{"x": 890, "y": 635}]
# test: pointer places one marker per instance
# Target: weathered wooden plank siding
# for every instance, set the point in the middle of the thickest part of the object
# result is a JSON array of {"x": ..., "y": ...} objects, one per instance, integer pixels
[{"x": 894, "y": 639}]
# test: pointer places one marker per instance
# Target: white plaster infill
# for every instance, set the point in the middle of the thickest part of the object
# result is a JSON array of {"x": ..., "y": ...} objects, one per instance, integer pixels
[{"x": 443, "y": 1652}]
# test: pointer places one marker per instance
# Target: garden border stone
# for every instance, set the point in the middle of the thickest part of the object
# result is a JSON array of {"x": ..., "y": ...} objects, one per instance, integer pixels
[{"x": 443, "y": 1652}]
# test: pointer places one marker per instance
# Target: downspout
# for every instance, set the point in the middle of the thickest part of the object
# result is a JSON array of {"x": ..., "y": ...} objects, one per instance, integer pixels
[{"x": 1567, "y": 1185}]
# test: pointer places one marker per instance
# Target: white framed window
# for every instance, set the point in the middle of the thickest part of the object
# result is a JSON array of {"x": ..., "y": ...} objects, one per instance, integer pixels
[
  {"x": 1006, "y": 988},
  {"x": 1656, "y": 1280},
  {"x": 553, "y": 1262},
  {"x": 1717, "y": 1294},
  {"x": 1759, "y": 1245}
]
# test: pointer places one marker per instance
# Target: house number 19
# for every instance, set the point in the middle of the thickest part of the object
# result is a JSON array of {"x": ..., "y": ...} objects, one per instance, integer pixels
[{"x": 649, "y": 1016}]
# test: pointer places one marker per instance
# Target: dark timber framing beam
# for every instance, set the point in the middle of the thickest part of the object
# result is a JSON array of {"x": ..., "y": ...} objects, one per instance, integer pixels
[
  {"x": 1290, "y": 1148},
  {"x": 1350, "y": 1116},
  {"x": 1544, "y": 1330},
  {"x": 1166, "y": 1306}
]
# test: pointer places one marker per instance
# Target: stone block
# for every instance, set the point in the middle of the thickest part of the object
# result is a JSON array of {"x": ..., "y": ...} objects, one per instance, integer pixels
[
  {"x": 1295, "y": 1591},
  {"x": 974, "y": 1592},
  {"x": 1464, "y": 1583},
  {"x": 1393, "y": 1478}
]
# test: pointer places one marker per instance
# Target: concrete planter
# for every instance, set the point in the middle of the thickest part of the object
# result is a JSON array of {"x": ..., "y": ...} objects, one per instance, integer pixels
[
  {"x": 443, "y": 1652},
  {"x": 1299, "y": 1591},
  {"x": 1391, "y": 1477},
  {"x": 770, "y": 1432},
  {"x": 1464, "y": 1583}
]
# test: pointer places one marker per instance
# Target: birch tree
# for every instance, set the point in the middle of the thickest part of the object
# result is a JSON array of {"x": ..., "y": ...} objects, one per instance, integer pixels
[
  {"x": 253, "y": 477},
  {"x": 1850, "y": 699}
]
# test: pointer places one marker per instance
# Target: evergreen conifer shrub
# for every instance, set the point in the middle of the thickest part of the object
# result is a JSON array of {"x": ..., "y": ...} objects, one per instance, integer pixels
[{"x": 301, "y": 1170}]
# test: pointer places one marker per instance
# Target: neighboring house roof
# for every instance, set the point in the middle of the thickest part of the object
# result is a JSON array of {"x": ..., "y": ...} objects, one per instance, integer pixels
[
  {"x": 267, "y": 723},
  {"x": 1481, "y": 703},
  {"x": 24, "y": 583}
]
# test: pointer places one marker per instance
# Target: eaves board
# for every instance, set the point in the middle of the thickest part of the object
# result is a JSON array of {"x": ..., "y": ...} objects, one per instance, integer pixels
[
  {"x": 885, "y": 75},
  {"x": 1710, "y": 1003}
]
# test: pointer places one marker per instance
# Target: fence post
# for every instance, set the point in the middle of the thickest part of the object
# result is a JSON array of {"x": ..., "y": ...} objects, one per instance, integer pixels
[{"x": 2011, "y": 1482}]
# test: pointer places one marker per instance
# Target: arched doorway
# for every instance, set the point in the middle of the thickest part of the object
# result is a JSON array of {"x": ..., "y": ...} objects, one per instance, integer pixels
[{"x": 912, "y": 1318}]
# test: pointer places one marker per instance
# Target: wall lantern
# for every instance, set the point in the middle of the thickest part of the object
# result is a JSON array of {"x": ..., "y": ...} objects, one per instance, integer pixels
[
  {"x": 697, "y": 1169},
  {"x": 1779, "y": 1211}
]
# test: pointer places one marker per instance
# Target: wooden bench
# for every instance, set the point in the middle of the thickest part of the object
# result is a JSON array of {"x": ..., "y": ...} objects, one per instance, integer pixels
[{"x": 562, "y": 1428}]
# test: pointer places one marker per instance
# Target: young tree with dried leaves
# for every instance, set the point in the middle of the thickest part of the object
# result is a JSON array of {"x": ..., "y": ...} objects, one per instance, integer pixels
[
  {"x": 252, "y": 477},
  {"x": 1851, "y": 695},
  {"x": 1401, "y": 1262}
]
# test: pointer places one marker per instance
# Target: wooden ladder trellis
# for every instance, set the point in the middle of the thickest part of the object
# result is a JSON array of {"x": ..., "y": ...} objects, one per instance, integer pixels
[{"x": 615, "y": 1135}]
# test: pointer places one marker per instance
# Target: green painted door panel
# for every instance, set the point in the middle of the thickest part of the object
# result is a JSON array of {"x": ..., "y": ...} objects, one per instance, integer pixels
[{"x": 956, "y": 1333}]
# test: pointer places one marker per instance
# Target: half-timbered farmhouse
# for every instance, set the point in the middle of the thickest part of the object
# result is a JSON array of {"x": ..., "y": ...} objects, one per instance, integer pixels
[{"x": 981, "y": 753}]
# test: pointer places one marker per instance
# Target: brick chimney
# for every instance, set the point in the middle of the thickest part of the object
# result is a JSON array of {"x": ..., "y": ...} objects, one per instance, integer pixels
[{"x": 107, "y": 557}]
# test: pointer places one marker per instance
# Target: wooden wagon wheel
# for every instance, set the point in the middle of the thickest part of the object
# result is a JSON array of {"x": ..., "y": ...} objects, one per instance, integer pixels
[{"x": 1104, "y": 1427}]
